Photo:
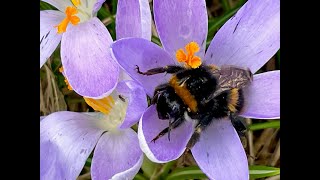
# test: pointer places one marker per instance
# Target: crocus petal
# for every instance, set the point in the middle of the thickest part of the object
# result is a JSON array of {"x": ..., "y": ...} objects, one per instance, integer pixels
[
  {"x": 97, "y": 6},
  {"x": 263, "y": 96},
  {"x": 66, "y": 141},
  {"x": 220, "y": 154},
  {"x": 86, "y": 59},
  {"x": 180, "y": 22},
  {"x": 117, "y": 154},
  {"x": 59, "y": 4},
  {"x": 132, "y": 52},
  {"x": 137, "y": 102},
  {"x": 162, "y": 150},
  {"x": 250, "y": 38},
  {"x": 49, "y": 38},
  {"x": 133, "y": 19}
]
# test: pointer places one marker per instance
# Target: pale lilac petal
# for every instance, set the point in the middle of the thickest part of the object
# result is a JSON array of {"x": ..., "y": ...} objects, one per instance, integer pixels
[
  {"x": 250, "y": 38},
  {"x": 180, "y": 22},
  {"x": 66, "y": 141},
  {"x": 97, "y": 6},
  {"x": 86, "y": 59},
  {"x": 263, "y": 96},
  {"x": 133, "y": 19},
  {"x": 117, "y": 155},
  {"x": 49, "y": 38},
  {"x": 59, "y": 4},
  {"x": 42, "y": 117},
  {"x": 162, "y": 150},
  {"x": 137, "y": 102},
  {"x": 220, "y": 154},
  {"x": 130, "y": 52}
]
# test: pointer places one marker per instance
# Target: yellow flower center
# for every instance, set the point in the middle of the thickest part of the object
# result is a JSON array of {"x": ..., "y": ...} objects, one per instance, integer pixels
[
  {"x": 103, "y": 105},
  {"x": 189, "y": 58},
  {"x": 70, "y": 17},
  {"x": 113, "y": 108}
]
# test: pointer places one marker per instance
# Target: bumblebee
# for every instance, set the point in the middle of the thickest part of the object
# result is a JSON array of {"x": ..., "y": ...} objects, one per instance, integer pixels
[{"x": 205, "y": 94}]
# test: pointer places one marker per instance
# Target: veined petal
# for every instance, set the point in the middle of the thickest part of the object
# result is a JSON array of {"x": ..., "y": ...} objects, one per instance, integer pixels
[
  {"x": 137, "y": 102},
  {"x": 66, "y": 141},
  {"x": 85, "y": 55},
  {"x": 179, "y": 22},
  {"x": 250, "y": 38},
  {"x": 133, "y": 52},
  {"x": 220, "y": 154},
  {"x": 263, "y": 96},
  {"x": 49, "y": 38},
  {"x": 117, "y": 156},
  {"x": 59, "y": 4},
  {"x": 162, "y": 150},
  {"x": 133, "y": 19},
  {"x": 97, "y": 6}
]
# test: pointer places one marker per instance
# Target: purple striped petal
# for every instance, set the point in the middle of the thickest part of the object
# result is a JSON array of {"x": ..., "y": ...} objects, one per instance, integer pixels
[
  {"x": 49, "y": 38},
  {"x": 263, "y": 96},
  {"x": 66, "y": 141},
  {"x": 220, "y": 154},
  {"x": 130, "y": 52},
  {"x": 250, "y": 38},
  {"x": 59, "y": 4},
  {"x": 133, "y": 19},
  {"x": 86, "y": 59},
  {"x": 117, "y": 156},
  {"x": 97, "y": 6},
  {"x": 162, "y": 150},
  {"x": 180, "y": 22},
  {"x": 137, "y": 102}
]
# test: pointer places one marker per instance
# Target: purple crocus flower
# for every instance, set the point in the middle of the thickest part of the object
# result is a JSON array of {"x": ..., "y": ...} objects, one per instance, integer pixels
[
  {"x": 248, "y": 39},
  {"x": 85, "y": 41},
  {"x": 68, "y": 138}
]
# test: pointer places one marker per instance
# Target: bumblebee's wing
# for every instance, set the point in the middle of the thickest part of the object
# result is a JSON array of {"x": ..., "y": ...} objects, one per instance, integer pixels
[{"x": 230, "y": 77}]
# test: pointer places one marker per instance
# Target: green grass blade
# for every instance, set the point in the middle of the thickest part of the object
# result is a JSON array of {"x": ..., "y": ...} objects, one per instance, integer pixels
[
  {"x": 264, "y": 125},
  {"x": 192, "y": 172},
  {"x": 263, "y": 171}
]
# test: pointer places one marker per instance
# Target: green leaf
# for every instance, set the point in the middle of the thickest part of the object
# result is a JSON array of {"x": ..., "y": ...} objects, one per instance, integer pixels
[
  {"x": 156, "y": 40},
  {"x": 192, "y": 172},
  {"x": 140, "y": 177},
  {"x": 264, "y": 125},
  {"x": 148, "y": 167},
  {"x": 215, "y": 24},
  {"x": 46, "y": 6},
  {"x": 263, "y": 171},
  {"x": 225, "y": 5},
  {"x": 88, "y": 162}
]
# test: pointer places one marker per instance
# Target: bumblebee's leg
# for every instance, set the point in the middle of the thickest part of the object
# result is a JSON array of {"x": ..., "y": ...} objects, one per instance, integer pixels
[
  {"x": 159, "y": 89},
  {"x": 172, "y": 125},
  {"x": 167, "y": 69},
  {"x": 238, "y": 123},
  {"x": 203, "y": 123}
]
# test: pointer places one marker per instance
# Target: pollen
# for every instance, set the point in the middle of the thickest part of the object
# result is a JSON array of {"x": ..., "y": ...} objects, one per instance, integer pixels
[
  {"x": 70, "y": 18},
  {"x": 76, "y": 2},
  {"x": 65, "y": 79},
  {"x": 103, "y": 105},
  {"x": 189, "y": 58}
]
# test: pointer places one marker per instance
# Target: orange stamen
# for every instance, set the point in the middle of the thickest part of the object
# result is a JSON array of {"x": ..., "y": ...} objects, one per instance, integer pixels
[
  {"x": 190, "y": 59},
  {"x": 70, "y": 17},
  {"x": 65, "y": 79},
  {"x": 103, "y": 105}
]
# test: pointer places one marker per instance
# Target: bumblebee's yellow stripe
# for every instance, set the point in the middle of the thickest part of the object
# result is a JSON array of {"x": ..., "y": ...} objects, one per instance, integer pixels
[
  {"x": 233, "y": 99},
  {"x": 184, "y": 94}
]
